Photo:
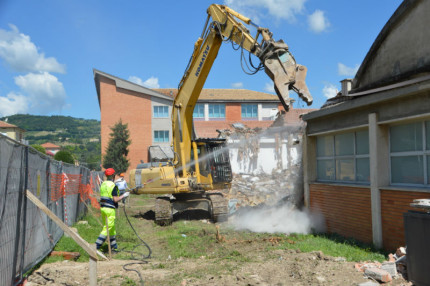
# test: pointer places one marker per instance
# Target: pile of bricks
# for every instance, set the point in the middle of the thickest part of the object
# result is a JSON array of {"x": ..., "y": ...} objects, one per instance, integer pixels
[{"x": 386, "y": 271}]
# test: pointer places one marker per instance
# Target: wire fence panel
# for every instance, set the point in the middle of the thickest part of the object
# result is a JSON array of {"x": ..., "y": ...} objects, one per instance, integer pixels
[{"x": 27, "y": 235}]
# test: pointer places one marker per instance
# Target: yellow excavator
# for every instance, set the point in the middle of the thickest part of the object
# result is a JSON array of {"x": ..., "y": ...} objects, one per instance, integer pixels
[{"x": 202, "y": 165}]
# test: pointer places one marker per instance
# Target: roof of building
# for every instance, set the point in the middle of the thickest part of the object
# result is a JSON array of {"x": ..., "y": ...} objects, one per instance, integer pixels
[
  {"x": 400, "y": 48},
  {"x": 50, "y": 145},
  {"x": 392, "y": 62},
  {"x": 8, "y": 125},
  {"x": 213, "y": 94},
  {"x": 232, "y": 95},
  {"x": 125, "y": 84}
]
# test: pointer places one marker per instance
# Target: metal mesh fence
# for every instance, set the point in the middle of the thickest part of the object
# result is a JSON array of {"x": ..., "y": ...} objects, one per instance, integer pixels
[{"x": 27, "y": 234}]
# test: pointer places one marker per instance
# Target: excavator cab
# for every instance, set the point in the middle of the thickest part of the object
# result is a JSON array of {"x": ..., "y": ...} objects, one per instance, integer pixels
[{"x": 214, "y": 159}]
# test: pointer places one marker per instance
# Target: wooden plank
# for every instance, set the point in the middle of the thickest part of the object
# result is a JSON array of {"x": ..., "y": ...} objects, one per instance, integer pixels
[
  {"x": 92, "y": 270},
  {"x": 79, "y": 240}
]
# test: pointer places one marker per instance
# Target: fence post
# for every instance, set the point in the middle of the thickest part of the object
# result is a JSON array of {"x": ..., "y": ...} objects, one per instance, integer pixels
[{"x": 93, "y": 269}]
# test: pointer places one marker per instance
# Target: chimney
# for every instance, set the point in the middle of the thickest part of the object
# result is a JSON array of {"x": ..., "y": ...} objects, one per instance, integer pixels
[{"x": 346, "y": 86}]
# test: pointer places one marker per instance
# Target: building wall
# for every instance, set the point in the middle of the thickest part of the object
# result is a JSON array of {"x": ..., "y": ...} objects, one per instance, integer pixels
[
  {"x": 13, "y": 133},
  {"x": 161, "y": 123},
  {"x": 394, "y": 203},
  {"x": 346, "y": 209},
  {"x": 133, "y": 109},
  {"x": 233, "y": 112}
]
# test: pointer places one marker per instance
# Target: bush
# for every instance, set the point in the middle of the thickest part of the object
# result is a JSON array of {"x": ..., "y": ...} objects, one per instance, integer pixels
[
  {"x": 64, "y": 156},
  {"x": 39, "y": 148}
]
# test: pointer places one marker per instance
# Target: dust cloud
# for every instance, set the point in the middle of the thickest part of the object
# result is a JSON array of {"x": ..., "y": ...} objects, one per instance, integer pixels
[{"x": 283, "y": 218}]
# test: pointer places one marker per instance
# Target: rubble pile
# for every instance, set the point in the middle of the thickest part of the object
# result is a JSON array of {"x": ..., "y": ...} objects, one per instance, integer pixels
[
  {"x": 264, "y": 189},
  {"x": 388, "y": 270}
]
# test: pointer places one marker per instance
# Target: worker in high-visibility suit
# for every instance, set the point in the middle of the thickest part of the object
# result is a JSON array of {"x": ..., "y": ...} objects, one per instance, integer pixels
[{"x": 109, "y": 198}]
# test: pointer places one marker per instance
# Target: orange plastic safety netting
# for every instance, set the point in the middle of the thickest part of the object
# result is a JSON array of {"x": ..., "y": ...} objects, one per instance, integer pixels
[{"x": 70, "y": 184}]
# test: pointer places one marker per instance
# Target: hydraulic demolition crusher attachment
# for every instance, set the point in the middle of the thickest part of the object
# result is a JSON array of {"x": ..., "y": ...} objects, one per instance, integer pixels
[{"x": 281, "y": 67}]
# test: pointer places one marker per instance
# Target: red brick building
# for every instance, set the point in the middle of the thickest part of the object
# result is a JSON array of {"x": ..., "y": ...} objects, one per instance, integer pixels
[{"x": 147, "y": 112}]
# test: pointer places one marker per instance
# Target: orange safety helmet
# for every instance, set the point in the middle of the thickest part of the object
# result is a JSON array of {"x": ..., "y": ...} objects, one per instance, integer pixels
[{"x": 109, "y": 171}]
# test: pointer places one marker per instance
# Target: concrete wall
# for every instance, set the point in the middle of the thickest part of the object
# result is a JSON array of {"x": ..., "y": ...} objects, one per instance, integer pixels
[
  {"x": 276, "y": 152},
  {"x": 161, "y": 123}
]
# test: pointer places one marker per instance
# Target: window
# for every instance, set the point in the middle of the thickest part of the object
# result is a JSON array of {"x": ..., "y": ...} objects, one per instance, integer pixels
[
  {"x": 161, "y": 136},
  {"x": 216, "y": 111},
  {"x": 199, "y": 111},
  {"x": 161, "y": 111},
  {"x": 343, "y": 157},
  {"x": 249, "y": 111},
  {"x": 410, "y": 153}
]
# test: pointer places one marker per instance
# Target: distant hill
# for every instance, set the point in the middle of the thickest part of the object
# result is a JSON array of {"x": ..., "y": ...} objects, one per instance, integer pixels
[{"x": 80, "y": 136}]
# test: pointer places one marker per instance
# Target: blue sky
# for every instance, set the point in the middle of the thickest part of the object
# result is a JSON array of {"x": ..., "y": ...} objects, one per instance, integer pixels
[{"x": 48, "y": 48}]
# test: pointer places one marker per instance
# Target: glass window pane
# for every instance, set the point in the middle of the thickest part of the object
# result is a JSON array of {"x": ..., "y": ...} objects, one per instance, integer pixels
[
  {"x": 428, "y": 169},
  {"x": 362, "y": 142},
  {"x": 324, "y": 146},
  {"x": 406, "y": 137},
  {"x": 325, "y": 169},
  {"x": 407, "y": 169},
  {"x": 345, "y": 170},
  {"x": 362, "y": 170},
  {"x": 428, "y": 135},
  {"x": 344, "y": 144}
]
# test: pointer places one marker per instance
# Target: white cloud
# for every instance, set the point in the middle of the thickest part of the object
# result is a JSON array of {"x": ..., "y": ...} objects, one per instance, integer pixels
[
  {"x": 135, "y": 79},
  {"x": 12, "y": 104},
  {"x": 269, "y": 87},
  {"x": 237, "y": 85},
  {"x": 45, "y": 92},
  {"x": 318, "y": 22},
  {"x": 22, "y": 55},
  {"x": 280, "y": 9},
  {"x": 151, "y": 82},
  {"x": 344, "y": 70},
  {"x": 330, "y": 90}
]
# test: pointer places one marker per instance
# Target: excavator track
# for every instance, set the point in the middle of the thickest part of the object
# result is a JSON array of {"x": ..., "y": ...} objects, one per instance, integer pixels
[
  {"x": 219, "y": 207},
  {"x": 163, "y": 211}
]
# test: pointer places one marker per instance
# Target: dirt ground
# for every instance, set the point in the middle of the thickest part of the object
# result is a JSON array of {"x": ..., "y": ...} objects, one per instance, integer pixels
[
  {"x": 262, "y": 267},
  {"x": 278, "y": 268}
]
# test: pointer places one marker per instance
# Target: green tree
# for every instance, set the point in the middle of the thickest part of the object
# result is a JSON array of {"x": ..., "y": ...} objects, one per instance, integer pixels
[
  {"x": 117, "y": 150},
  {"x": 39, "y": 148},
  {"x": 64, "y": 156}
]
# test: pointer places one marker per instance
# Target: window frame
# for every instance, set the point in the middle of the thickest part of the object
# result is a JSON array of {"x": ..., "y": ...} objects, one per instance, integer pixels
[
  {"x": 423, "y": 153},
  {"x": 201, "y": 115},
  {"x": 210, "y": 115},
  {"x": 242, "y": 105},
  {"x": 334, "y": 159},
  {"x": 158, "y": 114},
  {"x": 156, "y": 139}
]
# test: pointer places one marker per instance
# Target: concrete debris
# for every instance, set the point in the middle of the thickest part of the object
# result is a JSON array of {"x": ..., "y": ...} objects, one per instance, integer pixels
[
  {"x": 388, "y": 270},
  {"x": 378, "y": 274},
  {"x": 369, "y": 283},
  {"x": 390, "y": 267}
]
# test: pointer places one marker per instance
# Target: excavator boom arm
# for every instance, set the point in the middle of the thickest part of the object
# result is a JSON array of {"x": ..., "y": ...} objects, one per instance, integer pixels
[{"x": 274, "y": 56}]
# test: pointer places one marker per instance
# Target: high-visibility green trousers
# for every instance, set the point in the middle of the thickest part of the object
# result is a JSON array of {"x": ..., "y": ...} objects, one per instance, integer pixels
[{"x": 108, "y": 213}]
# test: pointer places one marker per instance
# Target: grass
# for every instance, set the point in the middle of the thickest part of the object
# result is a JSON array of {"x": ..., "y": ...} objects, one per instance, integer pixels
[
  {"x": 196, "y": 240},
  {"x": 334, "y": 245}
]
